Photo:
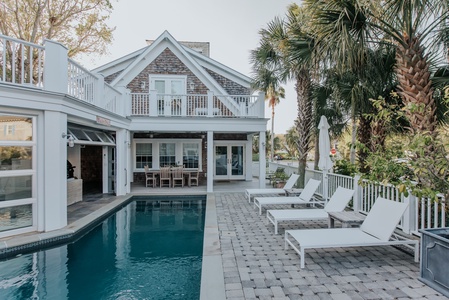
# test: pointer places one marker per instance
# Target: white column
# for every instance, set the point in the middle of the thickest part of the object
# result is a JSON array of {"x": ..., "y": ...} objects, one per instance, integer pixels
[
  {"x": 122, "y": 150},
  {"x": 249, "y": 158},
  {"x": 262, "y": 160},
  {"x": 55, "y": 171},
  {"x": 55, "y": 69},
  {"x": 105, "y": 169},
  {"x": 210, "y": 161}
]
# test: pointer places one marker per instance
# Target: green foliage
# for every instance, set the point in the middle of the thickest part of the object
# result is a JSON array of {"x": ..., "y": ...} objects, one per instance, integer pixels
[
  {"x": 388, "y": 166},
  {"x": 345, "y": 167},
  {"x": 420, "y": 165},
  {"x": 80, "y": 25},
  {"x": 280, "y": 175}
]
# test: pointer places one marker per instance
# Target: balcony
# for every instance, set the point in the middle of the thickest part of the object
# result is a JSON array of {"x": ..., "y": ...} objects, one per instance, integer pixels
[
  {"x": 48, "y": 68},
  {"x": 197, "y": 105}
]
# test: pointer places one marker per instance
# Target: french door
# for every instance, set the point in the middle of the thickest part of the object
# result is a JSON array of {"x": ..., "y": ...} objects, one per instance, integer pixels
[
  {"x": 171, "y": 92},
  {"x": 229, "y": 161}
]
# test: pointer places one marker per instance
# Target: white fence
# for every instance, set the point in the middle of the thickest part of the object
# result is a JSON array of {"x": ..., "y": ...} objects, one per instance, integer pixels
[{"x": 422, "y": 213}]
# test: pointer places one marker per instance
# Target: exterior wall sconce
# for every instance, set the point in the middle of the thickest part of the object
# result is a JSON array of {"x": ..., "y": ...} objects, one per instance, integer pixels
[
  {"x": 191, "y": 86},
  {"x": 70, "y": 139},
  {"x": 143, "y": 84}
]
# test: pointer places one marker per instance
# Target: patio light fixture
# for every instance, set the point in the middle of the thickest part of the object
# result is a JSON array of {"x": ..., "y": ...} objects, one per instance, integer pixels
[{"x": 70, "y": 139}]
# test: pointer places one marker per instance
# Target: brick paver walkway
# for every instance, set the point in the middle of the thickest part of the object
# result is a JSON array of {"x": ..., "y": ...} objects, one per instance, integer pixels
[{"x": 256, "y": 266}]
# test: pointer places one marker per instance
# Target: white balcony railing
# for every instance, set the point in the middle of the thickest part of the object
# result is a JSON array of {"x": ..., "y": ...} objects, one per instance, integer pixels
[
  {"x": 48, "y": 68},
  {"x": 81, "y": 83},
  {"x": 21, "y": 62},
  {"x": 198, "y": 105}
]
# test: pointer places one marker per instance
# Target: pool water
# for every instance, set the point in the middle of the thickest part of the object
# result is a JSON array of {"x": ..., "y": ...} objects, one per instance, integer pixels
[{"x": 147, "y": 250}]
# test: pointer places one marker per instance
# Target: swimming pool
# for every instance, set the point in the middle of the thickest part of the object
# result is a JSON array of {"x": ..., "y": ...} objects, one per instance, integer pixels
[{"x": 150, "y": 249}]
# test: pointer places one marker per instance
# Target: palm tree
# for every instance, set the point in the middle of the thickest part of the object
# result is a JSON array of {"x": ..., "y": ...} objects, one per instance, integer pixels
[
  {"x": 273, "y": 98},
  {"x": 285, "y": 49},
  {"x": 267, "y": 79},
  {"x": 291, "y": 142},
  {"x": 342, "y": 40},
  {"x": 413, "y": 27}
]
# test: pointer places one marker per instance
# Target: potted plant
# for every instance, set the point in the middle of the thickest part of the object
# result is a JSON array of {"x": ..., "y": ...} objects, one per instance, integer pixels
[{"x": 280, "y": 178}]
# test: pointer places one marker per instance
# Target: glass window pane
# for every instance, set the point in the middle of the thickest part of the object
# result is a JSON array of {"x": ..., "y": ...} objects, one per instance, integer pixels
[
  {"x": 93, "y": 136},
  {"x": 190, "y": 155},
  {"x": 167, "y": 156},
  {"x": 15, "y": 158},
  {"x": 16, "y": 128},
  {"x": 17, "y": 187},
  {"x": 144, "y": 155},
  {"x": 16, "y": 217},
  {"x": 176, "y": 87},
  {"x": 79, "y": 134},
  {"x": 159, "y": 86}
]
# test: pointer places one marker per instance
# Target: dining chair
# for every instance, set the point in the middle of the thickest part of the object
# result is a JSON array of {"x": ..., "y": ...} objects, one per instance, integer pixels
[
  {"x": 178, "y": 176},
  {"x": 194, "y": 178},
  {"x": 164, "y": 176},
  {"x": 149, "y": 177}
]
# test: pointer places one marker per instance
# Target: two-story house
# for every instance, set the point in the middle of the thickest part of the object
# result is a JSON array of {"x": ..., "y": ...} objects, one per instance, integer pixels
[{"x": 166, "y": 104}]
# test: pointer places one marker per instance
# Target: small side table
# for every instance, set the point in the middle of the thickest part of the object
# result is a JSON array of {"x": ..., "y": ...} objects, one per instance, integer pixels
[
  {"x": 347, "y": 218},
  {"x": 293, "y": 192}
]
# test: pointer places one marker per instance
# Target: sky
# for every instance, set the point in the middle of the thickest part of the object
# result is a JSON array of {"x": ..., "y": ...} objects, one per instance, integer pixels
[{"x": 231, "y": 27}]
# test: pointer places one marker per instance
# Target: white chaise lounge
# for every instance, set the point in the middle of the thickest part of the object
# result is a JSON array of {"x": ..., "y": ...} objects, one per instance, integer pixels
[
  {"x": 337, "y": 202},
  {"x": 376, "y": 230},
  {"x": 305, "y": 197},
  {"x": 280, "y": 191}
]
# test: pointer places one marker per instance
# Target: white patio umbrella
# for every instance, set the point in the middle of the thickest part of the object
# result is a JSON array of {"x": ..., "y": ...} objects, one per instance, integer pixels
[{"x": 325, "y": 162}]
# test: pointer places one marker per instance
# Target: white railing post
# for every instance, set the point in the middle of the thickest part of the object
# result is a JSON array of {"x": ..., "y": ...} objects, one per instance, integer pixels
[
  {"x": 55, "y": 67},
  {"x": 408, "y": 221},
  {"x": 153, "y": 111},
  {"x": 357, "y": 195},
  {"x": 126, "y": 101},
  {"x": 99, "y": 90},
  {"x": 242, "y": 108},
  {"x": 261, "y": 100},
  {"x": 210, "y": 104}
]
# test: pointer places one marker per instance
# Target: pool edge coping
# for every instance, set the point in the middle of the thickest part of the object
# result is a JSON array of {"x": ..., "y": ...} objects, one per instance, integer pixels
[{"x": 212, "y": 274}]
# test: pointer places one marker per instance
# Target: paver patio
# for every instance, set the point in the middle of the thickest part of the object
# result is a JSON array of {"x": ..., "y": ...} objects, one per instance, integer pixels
[{"x": 256, "y": 266}]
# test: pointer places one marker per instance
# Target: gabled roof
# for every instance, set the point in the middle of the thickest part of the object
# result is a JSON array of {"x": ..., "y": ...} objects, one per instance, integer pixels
[{"x": 132, "y": 64}]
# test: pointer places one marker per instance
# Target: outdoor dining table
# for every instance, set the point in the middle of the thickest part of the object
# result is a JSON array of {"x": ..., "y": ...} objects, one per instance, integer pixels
[{"x": 186, "y": 173}]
